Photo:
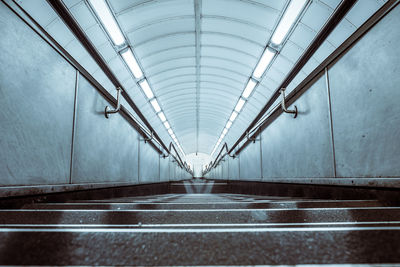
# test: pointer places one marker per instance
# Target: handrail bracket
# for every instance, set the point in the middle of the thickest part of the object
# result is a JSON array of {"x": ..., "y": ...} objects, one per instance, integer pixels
[
  {"x": 283, "y": 104},
  {"x": 107, "y": 110}
]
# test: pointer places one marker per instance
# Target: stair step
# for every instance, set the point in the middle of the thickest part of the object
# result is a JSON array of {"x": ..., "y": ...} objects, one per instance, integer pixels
[
  {"x": 221, "y": 205},
  {"x": 198, "y": 216},
  {"x": 199, "y": 246}
]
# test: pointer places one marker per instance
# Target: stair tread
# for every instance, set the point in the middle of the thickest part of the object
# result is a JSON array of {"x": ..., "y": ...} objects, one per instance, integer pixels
[{"x": 199, "y": 248}]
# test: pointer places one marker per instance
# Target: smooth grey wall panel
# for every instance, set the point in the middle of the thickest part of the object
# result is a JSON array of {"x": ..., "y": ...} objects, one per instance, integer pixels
[
  {"x": 250, "y": 162},
  {"x": 164, "y": 169},
  {"x": 149, "y": 164},
  {"x": 37, "y": 100},
  {"x": 365, "y": 102},
  {"x": 225, "y": 168},
  {"x": 218, "y": 172},
  {"x": 233, "y": 172},
  {"x": 105, "y": 150},
  {"x": 300, "y": 147},
  {"x": 172, "y": 169},
  {"x": 177, "y": 173}
]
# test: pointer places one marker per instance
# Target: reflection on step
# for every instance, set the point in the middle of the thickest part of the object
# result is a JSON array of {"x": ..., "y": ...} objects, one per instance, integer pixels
[{"x": 199, "y": 227}]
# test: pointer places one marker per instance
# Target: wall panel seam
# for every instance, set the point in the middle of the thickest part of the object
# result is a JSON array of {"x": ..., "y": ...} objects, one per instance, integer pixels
[
  {"x": 330, "y": 121},
  {"x": 71, "y": 166}
]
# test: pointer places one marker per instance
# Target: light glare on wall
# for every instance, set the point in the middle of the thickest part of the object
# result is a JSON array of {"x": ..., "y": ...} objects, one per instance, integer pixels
[
  {"x": 287, "y": 21},
  {"x": 239, "y": 105},
  {"x": 262, "y": 65},
  {"x": 132, "y": 63},
  {"x": 146, "y": 88},
  {"x": 107, "y": 19}
]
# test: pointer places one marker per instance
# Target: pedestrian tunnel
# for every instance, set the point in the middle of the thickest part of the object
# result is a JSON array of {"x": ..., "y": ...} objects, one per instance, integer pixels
[{"x": 199, "y": 132}]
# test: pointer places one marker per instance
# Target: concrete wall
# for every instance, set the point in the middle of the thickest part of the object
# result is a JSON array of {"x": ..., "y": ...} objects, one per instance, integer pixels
[
  {"x": 346, "y": 133},
  {"x": 40, "y": 141}
]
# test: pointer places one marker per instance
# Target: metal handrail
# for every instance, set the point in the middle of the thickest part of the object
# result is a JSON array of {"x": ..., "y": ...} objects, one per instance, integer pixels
[
  {"x": 332, "y": 22},
  {"x": 283, "y": 104},
  {"x": 182, "y": 164},
  {"x": 263, "y": 123},
  {"x": 107, "y": 110},
  {"x": 46, "y": 37},
  {"x": 63, "y": 12},
  {"x": 218, "y": 159}
]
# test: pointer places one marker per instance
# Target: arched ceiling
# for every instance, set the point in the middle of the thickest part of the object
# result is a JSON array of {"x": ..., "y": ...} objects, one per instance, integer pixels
[{"x": 199, "y": 54}]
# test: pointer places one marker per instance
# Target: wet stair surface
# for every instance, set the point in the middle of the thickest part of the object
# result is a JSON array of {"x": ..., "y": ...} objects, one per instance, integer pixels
[{"x": 201, "y": 229}]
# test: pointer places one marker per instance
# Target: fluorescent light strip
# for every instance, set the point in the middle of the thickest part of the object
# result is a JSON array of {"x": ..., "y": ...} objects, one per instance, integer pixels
[
  {"x": 146, "y": 88},
  {"x": 251, "y": 84},
  {"x": 162, "y": 117},
  {"x": 166, "y": 125},
  {"x": 155, "y": 105},
  {"x": 170, "y": 131},
  {"x": 262, "y": 65},
  {"x": 233, "y": 116},
  {"x": 130, "y": 60},
  {"x": 239, "y": 105},
  {"x": 109, "y": 22},
  {"x": 107, "y": 19},
  {"x": 287, "y": 20}
]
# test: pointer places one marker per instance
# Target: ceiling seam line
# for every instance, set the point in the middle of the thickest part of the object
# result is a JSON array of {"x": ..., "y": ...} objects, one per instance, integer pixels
[{"x": 197, "y": 12}]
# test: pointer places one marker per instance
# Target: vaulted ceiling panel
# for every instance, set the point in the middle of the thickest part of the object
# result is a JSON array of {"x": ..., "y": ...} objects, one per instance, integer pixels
[{"x": 198, "y": 55}]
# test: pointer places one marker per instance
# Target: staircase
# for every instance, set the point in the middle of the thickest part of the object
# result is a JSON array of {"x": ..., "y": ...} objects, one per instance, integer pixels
[{"x": 200, "y": 227}]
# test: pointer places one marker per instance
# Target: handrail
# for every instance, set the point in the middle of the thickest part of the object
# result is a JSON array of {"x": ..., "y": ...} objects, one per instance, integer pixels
[
  {"x": 330, "y": 60},
  {"x": 332, "y": 22},
  {"x": 63, "y": 12},
  {"x": 283, "y": 104},
  {"x": 304, "y": 85},
  {"x": 68, "y": 19},
  {"x": 38, "y": 29},
  {"x": 182, "y": 164},
  {"x": 137, "y": 125},
  {"x": 107, "y": 110},
  {"x": 217, "y": 160}
]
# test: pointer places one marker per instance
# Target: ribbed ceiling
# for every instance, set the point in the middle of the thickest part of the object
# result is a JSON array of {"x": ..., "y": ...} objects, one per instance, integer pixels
[{"x": 199, "y": 54}]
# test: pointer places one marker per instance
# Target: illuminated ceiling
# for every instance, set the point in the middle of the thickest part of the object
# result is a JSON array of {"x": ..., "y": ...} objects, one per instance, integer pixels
[{"x": 198, "y": 55}]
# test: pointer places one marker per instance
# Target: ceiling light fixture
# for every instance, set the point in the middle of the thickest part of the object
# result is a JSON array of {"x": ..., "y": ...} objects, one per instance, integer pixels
[
  {"x": 233, "y": 116},
  {"x": 287, "y": 20},
  {"x": 114, "y": 32},
  {"x": 107, "y": 19},
  {"x": 228, "y": 125},
  {"x": 262, "y": 65},
  {"x": 239, "y": 105},
  {"x": 130, "y": 60},
  {"x": 155, "y": 105},
  {"x": 162, "y": 117},
  {"x": 251, "y": 84},
  {"x": 146, "y": 88},
  {"x": 166, "y": 125}
]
